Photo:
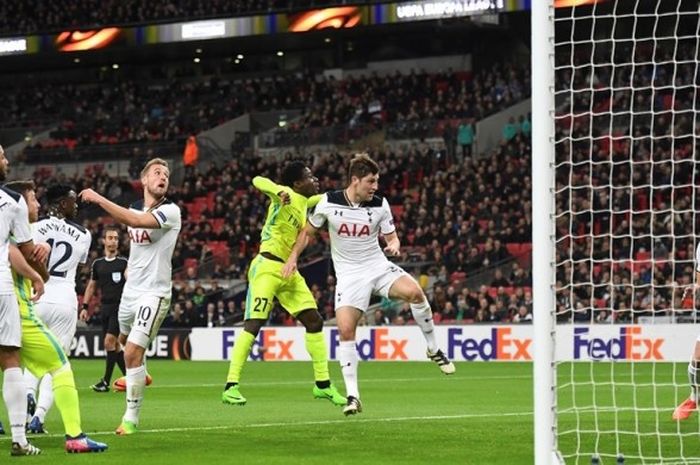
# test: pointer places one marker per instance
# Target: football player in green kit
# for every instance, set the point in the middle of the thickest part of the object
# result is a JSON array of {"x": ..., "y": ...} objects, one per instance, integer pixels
[{"x": 286, "y": 216}]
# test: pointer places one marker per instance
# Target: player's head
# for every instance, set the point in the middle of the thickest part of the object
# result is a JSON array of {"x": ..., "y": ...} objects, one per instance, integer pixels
[
  {"x": 155, "y": 177},
  {"x": 363, "y": 175},
  {"x": 299, "y": 177},
  {"x": 4, "y": 163},
  {"x": 62, "y": 201},
  {"x": 28, "y": 191},
  {"x": 111, "y": 239}
]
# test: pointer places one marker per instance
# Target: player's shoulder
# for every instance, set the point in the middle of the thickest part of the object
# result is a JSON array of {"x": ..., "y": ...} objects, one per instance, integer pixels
[
  {"x": 169, "y": 204},
  {"x": 377, "y": 201},
  {"x": 336, "y": 197},
  {"x": 15, "y": 196},
  {"x": 77, "y": 226}
]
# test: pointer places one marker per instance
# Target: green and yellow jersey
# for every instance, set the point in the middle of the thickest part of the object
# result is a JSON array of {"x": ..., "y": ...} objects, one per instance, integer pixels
[{"x": 283, "y": 222}]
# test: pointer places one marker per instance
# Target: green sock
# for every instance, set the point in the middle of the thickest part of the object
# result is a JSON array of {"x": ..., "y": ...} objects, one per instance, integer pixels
[
  {"x": 66, "y": 398},
  {"x": 241, "y": 350},
  {"x": 316, "y": 347}
]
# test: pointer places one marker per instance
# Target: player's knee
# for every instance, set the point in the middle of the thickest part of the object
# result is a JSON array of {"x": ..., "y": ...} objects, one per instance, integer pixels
[
  {"x": 346, "y": 334},
  {"x": 9, "y": 357},
  {"x": 133, "y": 355},
  {"x": 415, "y": 295},
  {"x": 314, "y": 326},
  {"x": 110, "y": 343},
  {"x": 253, "y": 326},
  {"x": 311, "y": 319}
]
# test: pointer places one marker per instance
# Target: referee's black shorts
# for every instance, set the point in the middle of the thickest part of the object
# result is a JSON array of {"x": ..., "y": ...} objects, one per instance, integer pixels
[{"x": 110, "y": 319}]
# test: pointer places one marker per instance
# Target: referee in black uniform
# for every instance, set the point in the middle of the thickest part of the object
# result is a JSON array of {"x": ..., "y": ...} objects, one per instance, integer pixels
[{"x": 108, "y": 274}]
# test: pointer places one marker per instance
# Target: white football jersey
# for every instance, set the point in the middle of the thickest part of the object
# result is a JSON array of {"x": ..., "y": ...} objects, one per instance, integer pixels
[
  {"x": 70, "y": 246},
  {"x": 697, "y": 258},
  {"x": 354, "y": 230},
  {"x": 150, "y": 258},
  {"x": 14, "y": 222}
]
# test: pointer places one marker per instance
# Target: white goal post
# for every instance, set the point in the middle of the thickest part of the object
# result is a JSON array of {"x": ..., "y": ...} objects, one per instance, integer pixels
[{"x": 615, "y": 175}]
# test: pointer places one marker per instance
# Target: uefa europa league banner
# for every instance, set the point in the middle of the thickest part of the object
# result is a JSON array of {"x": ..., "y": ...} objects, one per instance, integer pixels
[{"x": 168, "y": 344}]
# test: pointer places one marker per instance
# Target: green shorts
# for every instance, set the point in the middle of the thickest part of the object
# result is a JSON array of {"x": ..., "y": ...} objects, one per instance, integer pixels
[
  {"x": 265, "y": 282},
  {"x": 41, "y": 351}
]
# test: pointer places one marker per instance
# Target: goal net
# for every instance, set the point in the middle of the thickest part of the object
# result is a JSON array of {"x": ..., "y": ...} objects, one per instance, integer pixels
[{"x": 626, "y": 179}]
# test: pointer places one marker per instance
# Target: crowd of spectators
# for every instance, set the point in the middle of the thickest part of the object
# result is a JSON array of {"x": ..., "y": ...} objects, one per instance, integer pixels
[
  {"x": 138, "y": 112},
  {"x": 36, "y": 16},
  {"x": 410, "y": 105},
  {"x": 455, "y": 218},
  {"x": 626, "y": 171}
]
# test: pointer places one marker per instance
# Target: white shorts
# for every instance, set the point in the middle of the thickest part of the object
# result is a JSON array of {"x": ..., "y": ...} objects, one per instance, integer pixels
[
  {"x": 10, "y": 324},
  {"x": 356, "y": 289},
  {"x": 140, "y": 316},
  {"x": 61, "y": 318}
]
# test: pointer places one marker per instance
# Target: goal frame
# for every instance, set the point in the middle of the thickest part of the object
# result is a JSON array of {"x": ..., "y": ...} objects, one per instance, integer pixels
[{"x": 543, "y": 232}]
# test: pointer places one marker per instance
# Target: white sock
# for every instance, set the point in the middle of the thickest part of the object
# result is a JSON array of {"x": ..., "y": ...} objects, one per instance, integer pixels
[
  {"x": 15, "y": 394},
  {"x": 424, "y": 319},
  {"x": 31, "y": 381},
  {"x": 347, "y": 356},
  {"x": 45, "y": 401},
  {"x": 135, "y": 384},
  {"x": 692, "y": 377}
]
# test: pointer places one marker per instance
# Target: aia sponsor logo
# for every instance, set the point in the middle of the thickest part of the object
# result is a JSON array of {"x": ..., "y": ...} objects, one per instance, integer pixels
[{"x": 353, "y": 230}]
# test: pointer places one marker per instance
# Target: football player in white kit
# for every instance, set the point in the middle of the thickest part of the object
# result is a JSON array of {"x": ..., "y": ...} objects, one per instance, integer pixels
[
  {"x": 356, "y": 216},
  {"x": 14, "y": 221},
  {"x": 154, "y": 224},
  {"x": 58, "y": 307},
  {"x": 690, "y": 405}
]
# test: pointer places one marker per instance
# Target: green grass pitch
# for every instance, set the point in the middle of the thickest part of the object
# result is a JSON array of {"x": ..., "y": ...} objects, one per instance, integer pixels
[{"x": 412, "y": 415}]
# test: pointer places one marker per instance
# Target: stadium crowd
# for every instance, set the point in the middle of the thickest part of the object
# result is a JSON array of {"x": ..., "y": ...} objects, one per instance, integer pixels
[
  {"x": 456, "y": 218},
  {"x": 626, "y": 222},
  {"x": 124, "y": 113}
]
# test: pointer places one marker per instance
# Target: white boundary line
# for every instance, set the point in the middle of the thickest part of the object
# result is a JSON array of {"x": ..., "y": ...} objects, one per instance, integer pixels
[
  {"x": 449, "y": 378},
  {"x": 300, "y": 423}
]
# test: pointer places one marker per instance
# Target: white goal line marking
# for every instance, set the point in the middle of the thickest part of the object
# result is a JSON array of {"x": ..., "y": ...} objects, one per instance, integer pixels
[
  {"x": 304, "y": 423},
  {"x": 310, "y": 382}
]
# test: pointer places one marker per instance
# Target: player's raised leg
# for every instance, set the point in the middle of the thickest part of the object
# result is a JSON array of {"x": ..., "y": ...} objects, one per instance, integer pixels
[
  {"x": 347, "y": 319},
  {"x": 407, "y": 289},
  {"x": 690, "y": 405}
]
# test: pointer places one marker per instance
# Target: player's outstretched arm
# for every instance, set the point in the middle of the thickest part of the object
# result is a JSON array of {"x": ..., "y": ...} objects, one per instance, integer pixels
[
  {"x": 123, "y": 215},
  {"x": 290, "y": 267},
  {"x": 21, "y": 266},
  {"x": 271, "y": 189}
]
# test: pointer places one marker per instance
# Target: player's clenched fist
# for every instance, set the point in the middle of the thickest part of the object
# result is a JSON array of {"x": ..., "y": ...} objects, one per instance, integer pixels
[{"x": 89, "y": 195}]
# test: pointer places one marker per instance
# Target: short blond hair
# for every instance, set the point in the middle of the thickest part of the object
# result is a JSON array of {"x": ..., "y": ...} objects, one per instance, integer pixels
[{"x": 154, "y": 161}]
